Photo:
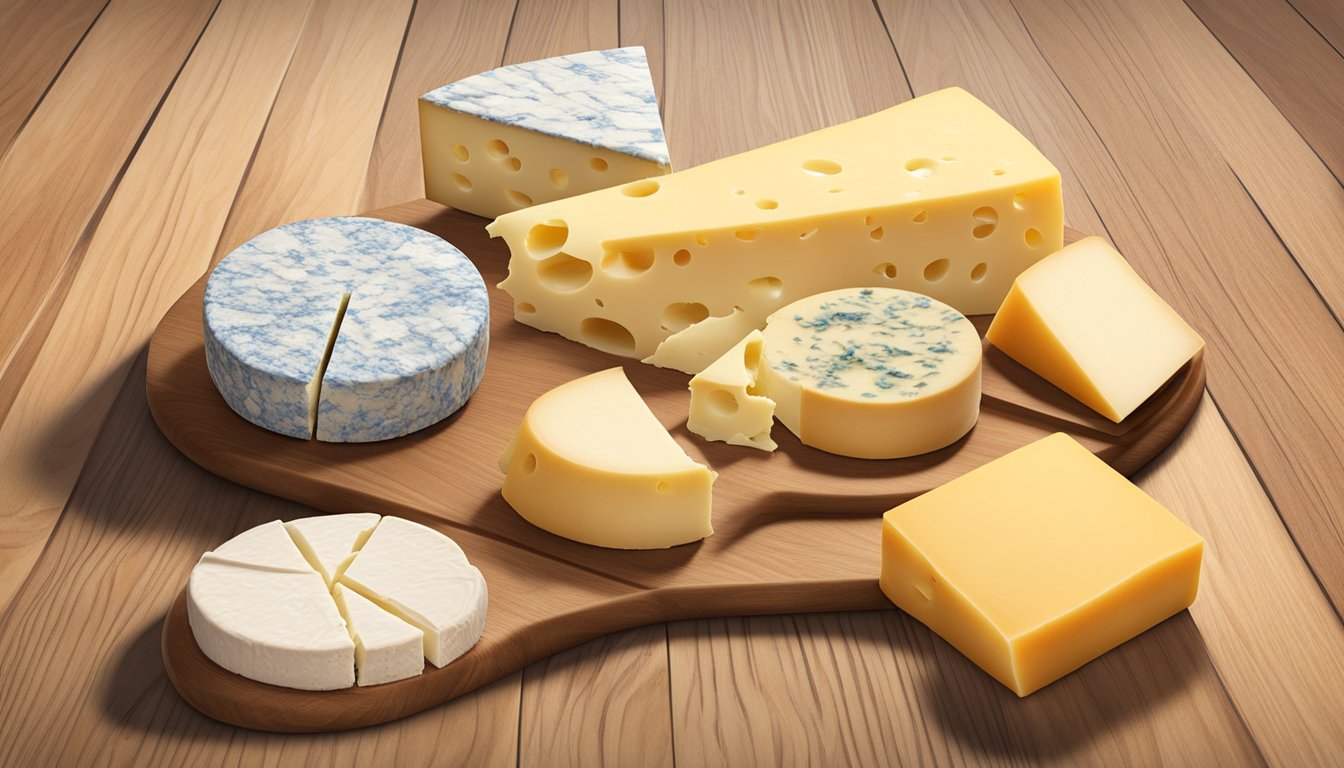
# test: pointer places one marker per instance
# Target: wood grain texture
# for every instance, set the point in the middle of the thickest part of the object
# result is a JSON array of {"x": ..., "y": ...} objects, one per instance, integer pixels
[
  {"x": 48, "y": 197},
  {"x": 153, "y": 240},
  {"x": 36, "y": 39},
  {"x": 140, "y": 513},
  {"x": 822, "y": 510},
  {"x": 1260, "y": 313},
  {"x": 447, "y": 40}
]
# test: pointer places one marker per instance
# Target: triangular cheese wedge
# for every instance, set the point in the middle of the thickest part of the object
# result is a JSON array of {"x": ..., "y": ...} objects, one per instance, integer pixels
[
  {"x": 386, "y": 648},
  {"x": 592, "y": 463},
  {"x": 1084, "y": 320},
  {"x": 267, "y": 546},
  {"x": 724, "y": 402},
  {"x": 542, "y": 130},
  {"x": 327, "y": 540}
]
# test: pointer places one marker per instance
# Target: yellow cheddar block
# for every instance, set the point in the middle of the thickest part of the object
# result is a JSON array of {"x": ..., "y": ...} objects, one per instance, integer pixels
[
  {"x": 1084, "y": 320},
  {"x": 591, "y": 462},
  {"x": 1038, "y": 562}
]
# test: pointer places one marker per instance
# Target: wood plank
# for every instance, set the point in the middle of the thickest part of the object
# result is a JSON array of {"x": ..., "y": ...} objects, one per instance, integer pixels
[
  {"x": 447, "y": 40},
  {"x": 878, "y": 688},
  {"x": 602, "y": 703},
  {"x": 544, "y": 28},
  {"x": 153, "y": 240},
  {"x": 1307, "y": 87},
  {"x": 642, "y": 24},
  {"x": 36, "y": 39},
  {"x": 1227, "y": 273},
  {"x": 59, "y": 170},
  {"x": 1326, "y": 17},
  {"x": 314, "y": 157},
  {"x": 84, "y": 680},
  {"x": 783, "y": 73},
  {"x": 1242, "y": 602}
]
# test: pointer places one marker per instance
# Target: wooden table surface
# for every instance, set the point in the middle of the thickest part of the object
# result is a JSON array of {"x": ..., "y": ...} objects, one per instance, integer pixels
[{"x": 141, "y": 140}]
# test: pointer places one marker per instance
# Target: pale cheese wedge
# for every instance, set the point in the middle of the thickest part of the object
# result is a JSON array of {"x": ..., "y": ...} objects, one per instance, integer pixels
[
  {"x": 591, "y": 462},
  {"x": 386, "y": 648},
  {"x": 444, "y": 596},
  {"x": 725, "y": 404},
  {"x": 327, "y": 541},
  {"x": 267, "y": 546}
]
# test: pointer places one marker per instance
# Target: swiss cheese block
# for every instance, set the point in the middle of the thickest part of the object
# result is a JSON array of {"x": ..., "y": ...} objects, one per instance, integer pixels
[
  {"x": 591, "y": 463},
  {"x": 328, "y": 541},
  {"x": 1083, "y": 319},
  {"x": 938, "y": 195},
  {"x": 386, "y": 648},
  {"x": 724, "y": 401},
  {"x": 346, "y": 329},
  {"x": 539, "y": 131},
  {"x": 873, "y": 373},
  {"x": 444, "y": 596},
  {"x": 1038, "y": 562}
]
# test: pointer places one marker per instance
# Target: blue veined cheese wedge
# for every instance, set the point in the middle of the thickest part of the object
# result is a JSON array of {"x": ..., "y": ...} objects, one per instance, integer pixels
[
  {"x": 542, "y": 130},
  {"x": 346, "y": 329},
  {"x": 873, "y": 373}
]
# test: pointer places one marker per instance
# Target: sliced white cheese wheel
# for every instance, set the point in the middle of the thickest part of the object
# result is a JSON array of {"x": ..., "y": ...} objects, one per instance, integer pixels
[
  {"x": 349, "y": 329},
  {"x": 386, "y": 648},
  {"x": 266, "y": 546},
  {"x": 591, "y": 463},
  {"x": 424, "y": 578},
  {"x": 873, "y": 373},
  {"x": 541, "y": 130},
  {"x": 273, "y": 626},
  {"x": 328, "y": 540},
  {"x": 725, "y": 404}
]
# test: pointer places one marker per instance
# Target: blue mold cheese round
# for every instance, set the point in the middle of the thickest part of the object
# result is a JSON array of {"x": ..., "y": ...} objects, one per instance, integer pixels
[
  {"x": 873, "y": 373},
  {"x": 346, "y": 329}
]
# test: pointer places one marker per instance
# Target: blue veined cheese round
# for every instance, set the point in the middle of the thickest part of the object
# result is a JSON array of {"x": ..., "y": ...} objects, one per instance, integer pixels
[
  {"x": 346, "y": 329},
  {"x": 873, "y": 373}
]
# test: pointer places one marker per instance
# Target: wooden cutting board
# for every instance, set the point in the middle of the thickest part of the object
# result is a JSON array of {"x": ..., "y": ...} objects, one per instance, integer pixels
[{"x": 795, "y": 531}]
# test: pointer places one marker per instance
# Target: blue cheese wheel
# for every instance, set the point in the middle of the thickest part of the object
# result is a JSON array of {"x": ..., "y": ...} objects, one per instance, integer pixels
[
  {"x": 873, "y": 373},
  {"x": 346, "y": 329}
]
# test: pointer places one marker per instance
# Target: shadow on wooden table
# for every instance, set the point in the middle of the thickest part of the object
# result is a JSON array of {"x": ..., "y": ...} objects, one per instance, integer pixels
[{"x": 1102, "y": 700}]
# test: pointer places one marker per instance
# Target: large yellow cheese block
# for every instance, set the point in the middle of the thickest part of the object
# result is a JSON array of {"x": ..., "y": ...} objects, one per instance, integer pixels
[
  {"x": 1083, "y": 319},
  {"x": 1038, "y": 562},
  {"x": 873, "y": 373},
  {"x": 938, "y": 195},
  {"x": 725, "y": 402},
  {"x": 591, "y": 462}
]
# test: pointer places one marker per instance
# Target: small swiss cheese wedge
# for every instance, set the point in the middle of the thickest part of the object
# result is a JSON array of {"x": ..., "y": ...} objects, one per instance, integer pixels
[
  {"x": 872, "y": 373},
  {"x": 725, "y": 404},
  {"x": 1084, "y": 320},
  {"x": 591, "y": 463},
  {"x": 424, "y": 579},
  {"x": 1038, "y": 562}
]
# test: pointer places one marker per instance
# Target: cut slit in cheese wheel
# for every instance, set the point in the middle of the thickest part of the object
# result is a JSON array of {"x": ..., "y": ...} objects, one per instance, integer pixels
[
  {"x": 591, "y": 463},
  {"x": 260, "y": 606},
  {"x": 345, "y": 329},
  {"x": 541, "y": 130},
  {"x": 938, "y": 195},
  {"x": 725, "y": 404},
  {"x": 1084, "y": 320},
  {"x": 872, "y": 373}
]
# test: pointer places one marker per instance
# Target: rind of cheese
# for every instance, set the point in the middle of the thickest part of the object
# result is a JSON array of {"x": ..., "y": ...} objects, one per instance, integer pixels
[
  {"x": 938, "y": 195},
  {"x": 386, "y": 648},
  {"x": 445, "y": 597},
  {"x": 872, "y": 373},
  {"x": 1084, "y": 320},
  {"x": 541, "y": 130},
  {"x": 1038, "y": 562},
  {"x": 725, "y": 405},
  {"x": 273, "y": 626},
  {"x": 328, "y": 541},
  {"x": 408, "y": 352},
  {"x": 699, "y": 344},
  {"x": 590, "y": 462}
]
